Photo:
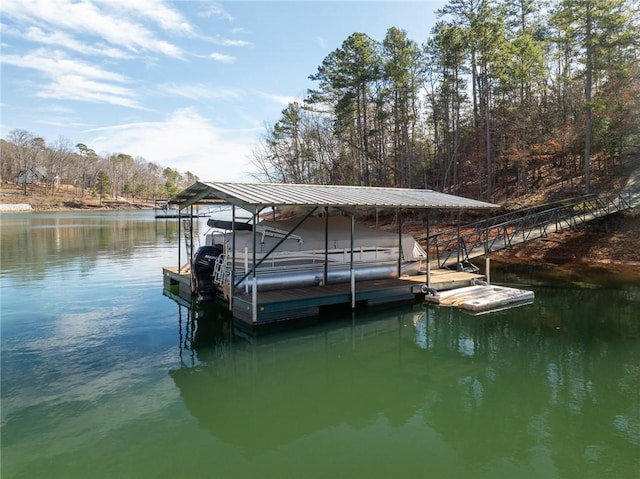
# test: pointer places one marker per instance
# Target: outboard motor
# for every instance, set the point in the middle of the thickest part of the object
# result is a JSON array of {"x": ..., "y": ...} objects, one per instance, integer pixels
[{"x": 202, "y": 267}]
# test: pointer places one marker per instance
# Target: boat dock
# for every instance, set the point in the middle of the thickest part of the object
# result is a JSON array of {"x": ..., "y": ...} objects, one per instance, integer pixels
[
  {"x": 163, "y": 211},
  {"x": 257, "y": 290},
  {"x": 277, "y": 305}
]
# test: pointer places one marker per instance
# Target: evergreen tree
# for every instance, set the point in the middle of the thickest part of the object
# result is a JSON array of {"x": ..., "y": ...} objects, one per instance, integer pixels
[
  {"x": 103, "y": 184},
  {"x": 601, "y": 31}
]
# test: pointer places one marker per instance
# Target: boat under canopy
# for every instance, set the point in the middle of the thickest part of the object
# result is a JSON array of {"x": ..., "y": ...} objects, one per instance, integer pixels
[
  {"x": 243, "y": 262},
  {"x": 295, "y": 259}
]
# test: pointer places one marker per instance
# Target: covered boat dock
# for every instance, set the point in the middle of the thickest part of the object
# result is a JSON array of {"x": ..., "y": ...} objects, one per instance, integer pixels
[{"x": 254, "y": 306}]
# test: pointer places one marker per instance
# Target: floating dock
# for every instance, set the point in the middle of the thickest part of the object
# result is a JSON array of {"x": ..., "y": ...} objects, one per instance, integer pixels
[
  {"x": 451, "y": 288},
  {"x": 292, "y": 303},
  {"x": 366, "y": 274},
  {"x": 482, "y": 298}
]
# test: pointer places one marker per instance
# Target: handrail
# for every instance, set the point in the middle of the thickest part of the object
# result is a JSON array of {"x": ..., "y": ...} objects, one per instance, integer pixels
[{"x": 505, "y": 230}]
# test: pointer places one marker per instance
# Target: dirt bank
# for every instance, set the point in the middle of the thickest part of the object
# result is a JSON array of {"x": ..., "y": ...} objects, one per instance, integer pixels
[
  {"x": 610, "y": 242},
  {"x": 63, "y": 200}
]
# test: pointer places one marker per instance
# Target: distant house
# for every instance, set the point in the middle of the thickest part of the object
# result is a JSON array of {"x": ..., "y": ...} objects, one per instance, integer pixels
[{"x": 32, "y": 176}]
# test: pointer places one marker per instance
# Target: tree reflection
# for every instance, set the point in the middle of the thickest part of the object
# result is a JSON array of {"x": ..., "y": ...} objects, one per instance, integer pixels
[{"x": 558, "y": 380}]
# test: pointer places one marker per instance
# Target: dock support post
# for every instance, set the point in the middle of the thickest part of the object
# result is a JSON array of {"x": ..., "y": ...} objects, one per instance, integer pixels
[
  {"x": 399, "y": 217},
  {"x": 487, "y": 260},
  {"x": 191, "y": 236},
  {"x": 428, "y": 257},
  {"x": 458, "y": 241},
  {"x": 232, "y": 282},
  {"x": 254, "y": 286},
  {"x": 179, "y": 240},
  {"x": 246, "y": 269},
  {"x": 325, "y": 275},
  {"x": 352, "y": 270}
]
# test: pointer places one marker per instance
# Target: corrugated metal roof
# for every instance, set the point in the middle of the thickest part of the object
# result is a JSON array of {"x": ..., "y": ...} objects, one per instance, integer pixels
[{"x": 252, "y": 196}]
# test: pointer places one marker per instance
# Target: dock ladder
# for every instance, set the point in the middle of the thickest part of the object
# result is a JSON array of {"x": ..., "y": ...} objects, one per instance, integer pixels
[{"x": 219, "y": 269}]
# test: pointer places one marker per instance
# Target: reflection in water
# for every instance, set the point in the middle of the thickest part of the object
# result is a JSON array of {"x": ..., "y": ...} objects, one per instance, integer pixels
[
  {"x": 101, "y": 373},
  {"x": 36, "y": 242},
  {"x": 539, "y": 383}
]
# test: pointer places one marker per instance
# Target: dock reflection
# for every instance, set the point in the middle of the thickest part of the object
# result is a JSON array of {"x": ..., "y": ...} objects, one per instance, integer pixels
[{"x": 492, "y": 387}]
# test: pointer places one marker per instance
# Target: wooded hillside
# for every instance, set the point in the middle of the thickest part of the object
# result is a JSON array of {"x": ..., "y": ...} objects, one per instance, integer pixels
[
  {"x": 504, "y": 98},
  {"x": 31, "y": 162}
]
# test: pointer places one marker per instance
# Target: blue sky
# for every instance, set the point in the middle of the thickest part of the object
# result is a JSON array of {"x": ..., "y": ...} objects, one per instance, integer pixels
[{"x": 185, "y": 84}]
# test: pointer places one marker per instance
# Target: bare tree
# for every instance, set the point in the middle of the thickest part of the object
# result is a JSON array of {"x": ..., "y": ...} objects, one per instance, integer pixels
[{"x": 27, "y": 148}]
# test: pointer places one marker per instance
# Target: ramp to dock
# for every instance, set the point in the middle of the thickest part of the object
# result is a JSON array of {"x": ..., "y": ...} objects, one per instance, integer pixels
[{"x": 459, "y": 245}]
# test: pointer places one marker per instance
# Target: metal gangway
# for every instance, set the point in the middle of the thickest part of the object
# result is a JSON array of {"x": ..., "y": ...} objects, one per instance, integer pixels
[{"x": 455, "y": 247}]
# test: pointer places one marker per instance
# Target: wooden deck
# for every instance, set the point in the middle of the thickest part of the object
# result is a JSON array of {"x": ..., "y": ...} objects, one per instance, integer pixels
[
  {"x": 311, "y": 301},
  {"x": 172, "y": 277},
  {"x": 481, "y": 299},
  {"x": 278, "y": 305},
  {"x": 445, "y": 279}
]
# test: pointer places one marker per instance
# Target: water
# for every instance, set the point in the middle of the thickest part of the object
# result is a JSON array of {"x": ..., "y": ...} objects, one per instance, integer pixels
[{"x": 105, "y": 376}]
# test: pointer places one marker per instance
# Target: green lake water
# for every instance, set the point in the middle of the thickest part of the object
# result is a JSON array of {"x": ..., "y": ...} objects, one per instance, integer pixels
[{"x": 105, "y": 376}]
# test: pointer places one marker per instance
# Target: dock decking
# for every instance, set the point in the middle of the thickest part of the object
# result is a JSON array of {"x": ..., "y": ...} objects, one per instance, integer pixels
[
  {"x": 453, "y": 288},
  {"x": 310, "y": 301},
  {"x": 482, "y": 298}
]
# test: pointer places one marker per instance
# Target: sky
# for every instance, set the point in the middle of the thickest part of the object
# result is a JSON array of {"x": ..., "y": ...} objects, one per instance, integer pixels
[{"x": 188, "y": 84}]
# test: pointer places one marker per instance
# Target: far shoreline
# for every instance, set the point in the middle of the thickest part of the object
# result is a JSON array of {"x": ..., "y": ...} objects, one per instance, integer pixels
[{"x": 604, "y": 247}]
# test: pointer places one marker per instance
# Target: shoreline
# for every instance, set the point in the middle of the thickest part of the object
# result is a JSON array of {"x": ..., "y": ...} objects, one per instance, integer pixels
[
  {"x": 608, "y": 270},
  {"x": 605, "y": 244},
  {"x": 608, "y": 243},
  {"x": 69, "y": 205}
]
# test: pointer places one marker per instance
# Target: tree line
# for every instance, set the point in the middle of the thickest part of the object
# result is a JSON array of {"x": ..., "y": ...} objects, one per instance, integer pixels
[
  {"x": 503, "y": 96},
  {"x": 88, "y": 173}
]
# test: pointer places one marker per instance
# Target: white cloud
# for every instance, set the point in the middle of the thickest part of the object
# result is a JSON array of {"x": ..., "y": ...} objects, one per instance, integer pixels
[
  {"x": 200, "y": 91},
  {"x": 46, "y": 61},
  {"x": 71, "y": 79},
  {"x": 116, "y": 27},
  {"x": 225, "y": 42},
  {"x": 280, "y": 99},
  {"x": 76, "y": 87},
  {"x": 61, "y": 39},
  {"x": 322, "y": 42},
  {"x": 184, "y": 140},
  {"x": 216, "y": 10},
  {"x": 61, "y": 122},
  {"x": 167, "y": 18},
  {"x": 220, "y": 57}
]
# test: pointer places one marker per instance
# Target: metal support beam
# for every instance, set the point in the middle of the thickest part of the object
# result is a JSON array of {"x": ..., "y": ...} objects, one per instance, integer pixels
[
  {"x": 427, "y": 250},
  {"x": 254, "y": 284},
  {"x": 399, "y": 225},
  {"x": 282, "y": 240},
  {"x": 325, "y": 278},
  {"x": 191, "y": 234},
  {"x": 352, "y": 270},
  {"x": 487, "y": 260},
  {"x": 232, "y": 286},
  {"x": 179, "y": 241}
]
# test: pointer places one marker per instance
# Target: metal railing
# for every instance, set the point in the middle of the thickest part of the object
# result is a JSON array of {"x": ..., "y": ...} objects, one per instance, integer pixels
[{"x": 504, "y": 231}]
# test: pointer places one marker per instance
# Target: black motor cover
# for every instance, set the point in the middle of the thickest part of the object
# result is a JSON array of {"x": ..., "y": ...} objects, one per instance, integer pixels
[{"x": 203, "y": 264}]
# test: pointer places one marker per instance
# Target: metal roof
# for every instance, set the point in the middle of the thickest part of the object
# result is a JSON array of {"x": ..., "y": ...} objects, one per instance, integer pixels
[{"x": 254, "y": 196}]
